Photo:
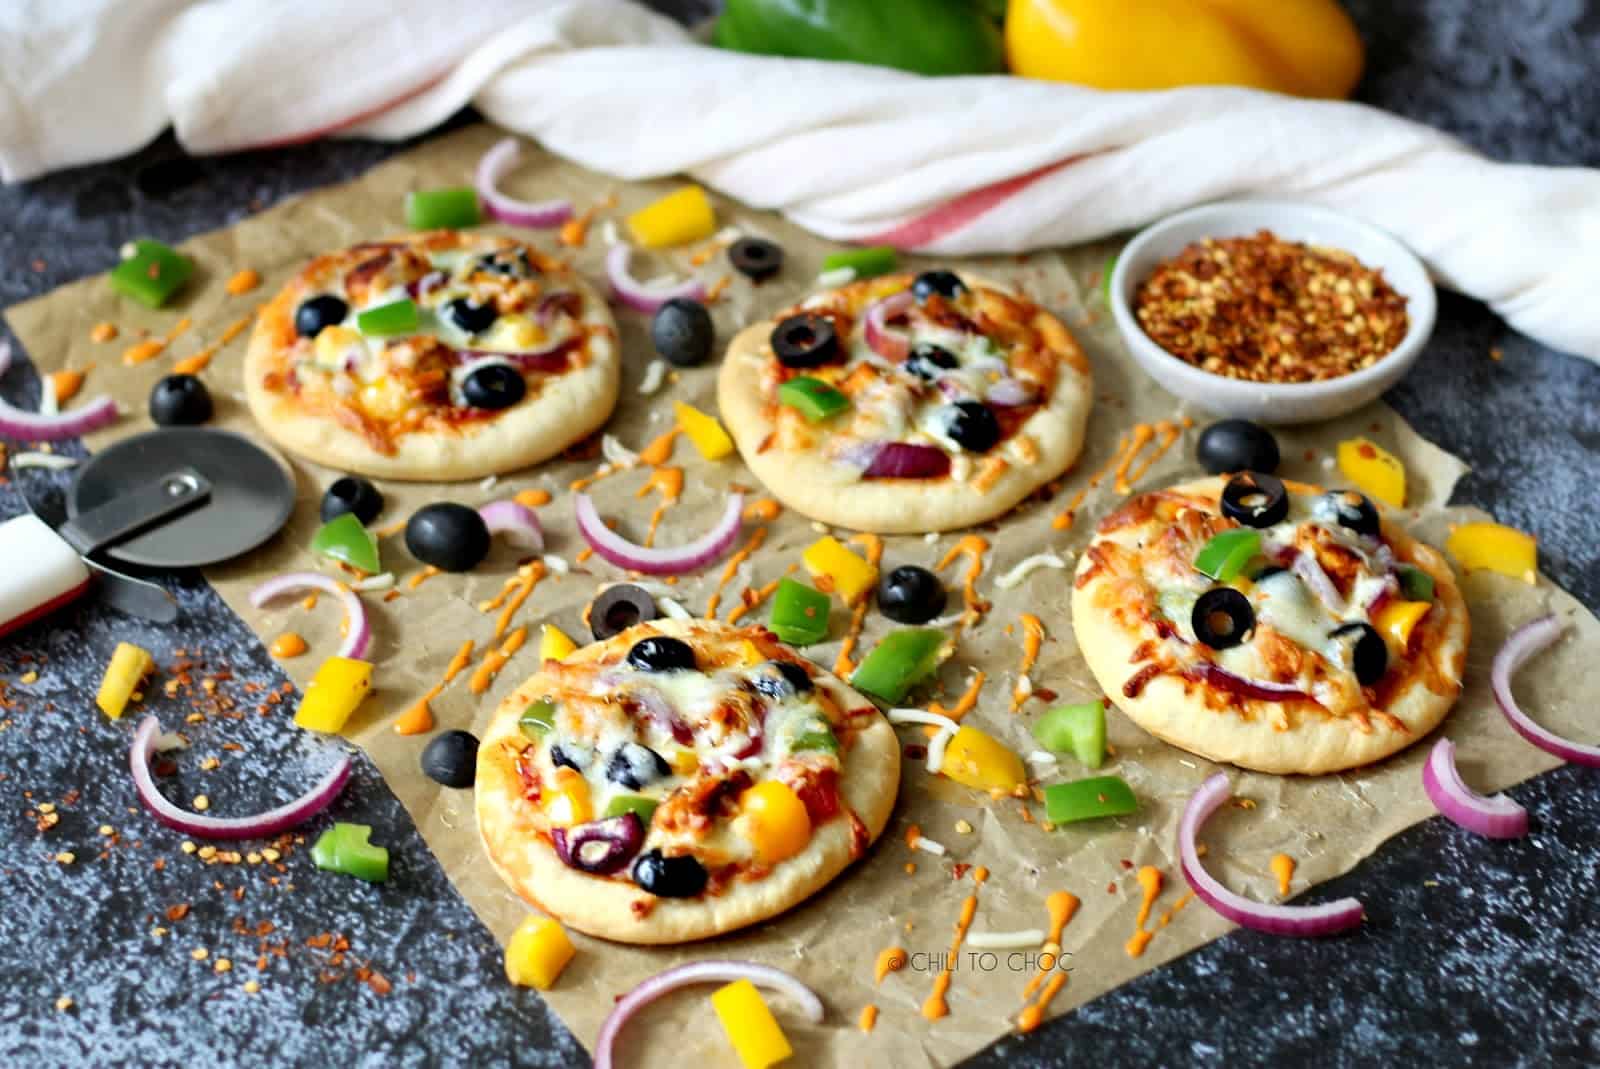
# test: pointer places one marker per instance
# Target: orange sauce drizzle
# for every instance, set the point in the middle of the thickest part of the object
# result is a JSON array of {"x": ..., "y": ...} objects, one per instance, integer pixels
[
  {"x": 973, "y": 547},
  {"x": 756, "y": 538},
  {"x": 1283, "y": 869},
  {"x": 1032, "y": 639},
  {"x": 1143, "y": 434},
  {"x": 1065, "y": 518},
  {"x": 584, "y": 554},
  {"x": 532, "y": 498},
  {"x": 843, "y": 665},
  {"x": 309, "y": 602},
  {"x": 964, "y": 704},
  {"x": 763, "y": 509},
  {"x": 194, "y": 365},
  {"x": 869, "y": 1017},
  {"x": 494, "y": 660},
  {"x": 1150, "y": 882},
  {"x": 287, "y": 645},
  {"x": 659, "y": 451},
  {"x": 751, "y": 600},
  {"x": 717, "y": 288},
  {"x": 422, "y": 577},
  {"x": 1169, "y": 432},
  {"x": 1061, "y": 905},
  {"x": 243, "y": 281},
  {"x": 103, "y": 332},
  {"x": 1174, "y": 909},
  {"x": 146, "y": 350},
  {"x": 67, "y": 384},
  {"x": 669, "y": 482},
  {"x": 419, "y": 718},
  {"x": 935, "y": 1006},
  {"x": 890, "y": 959},
  {"x": 528, "y": 577},
  {"x": 575, "y": 231}
]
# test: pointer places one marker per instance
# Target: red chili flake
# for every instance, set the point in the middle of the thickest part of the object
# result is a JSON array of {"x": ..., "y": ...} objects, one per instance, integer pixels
[
  {"x": 1111, "y": 888},
  {"x": 178, "y": 912},
  {"x": 960, "y": 869},
  {"x": 1127, "y": 864}
]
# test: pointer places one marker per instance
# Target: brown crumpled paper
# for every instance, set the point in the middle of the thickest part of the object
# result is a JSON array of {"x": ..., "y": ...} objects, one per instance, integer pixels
[{"x": 1327, "y": 823}]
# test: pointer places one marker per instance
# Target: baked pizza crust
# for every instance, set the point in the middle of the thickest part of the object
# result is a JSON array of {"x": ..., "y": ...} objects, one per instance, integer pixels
[
  {"x": 812, "y": 484},
  {"x": 568, "y": 408},
  {"x": 1314, "y": 742},
  {"x": 868, "y": 784}
]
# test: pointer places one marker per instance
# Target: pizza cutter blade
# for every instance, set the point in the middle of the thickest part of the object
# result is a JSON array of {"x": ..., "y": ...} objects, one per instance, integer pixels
[{"x": 180, "y": 497}]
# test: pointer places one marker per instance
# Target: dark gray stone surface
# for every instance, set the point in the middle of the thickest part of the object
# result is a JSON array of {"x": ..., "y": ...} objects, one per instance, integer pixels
[{"x": 1473, "y": 952}]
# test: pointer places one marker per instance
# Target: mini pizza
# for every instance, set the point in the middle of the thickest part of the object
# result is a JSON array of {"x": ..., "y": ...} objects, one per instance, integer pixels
[
  {"x": 1270, "y": 625},
  {"x": 907, "y": 404},
  {"x": 680, "y": 780},
  {"x": 436, "y": 356}
]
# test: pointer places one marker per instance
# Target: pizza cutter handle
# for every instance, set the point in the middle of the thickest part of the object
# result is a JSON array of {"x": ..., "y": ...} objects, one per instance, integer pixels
[{"x": 127, "y": 514}]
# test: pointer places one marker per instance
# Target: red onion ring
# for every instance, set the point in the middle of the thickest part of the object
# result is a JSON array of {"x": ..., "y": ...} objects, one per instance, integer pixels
[
  {"x": 1221, "y": 678},
  {"x": 28, "y": 426},
  {"x": 1525, "y": 643},
  {"x": 358, "y": 630},
  {"x": 495, "y": 165},
  {"x": 1311, "y": 573},
  {"x": 1010, "y": 393},
  {"x": 518, "y": 523},
  {"x": 635, "y": 294},
  {"x": 1495, "y": 818},
  {"x": 908, "y": 460},
  {"x": 653, "y": 560},
  {"x": 879, "y": 338},
  {"x": 552, "y": 305},
  {"x": 290, "y": 815},
  {"x": 1326, "y": 919},
  {"x": 699, "y": 972}
]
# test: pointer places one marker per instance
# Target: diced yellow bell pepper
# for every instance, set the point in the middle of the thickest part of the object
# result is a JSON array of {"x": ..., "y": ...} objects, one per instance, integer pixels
[
  {"x": 851, "y": 576},
  {"x": 1397, "y": 619},
  {"x": 539, "y": 949},
  {"x": 331, "y": 344},
  {"x": 339, "y": 686},
  {"x": 554, "y": 645},
  {"x": 774, "y": 821},
  {"x": 753, "y": 1031},
  {"x": 568, "y": 801},
  {"x": 751, "y": 654},
  {"x": 676, "y": 219},
  {"x": 1375, "y": 471},
  {"x": 1305, "y": 47},
  {"x": 980, "y": 760},
  {"x": 1497, "y": 548},
  {"x": 512, "y": 332},
  {"x": 703, "y": 430},
  {"x": 129, "y": 665},
  {"x": 685, "y": 762}
]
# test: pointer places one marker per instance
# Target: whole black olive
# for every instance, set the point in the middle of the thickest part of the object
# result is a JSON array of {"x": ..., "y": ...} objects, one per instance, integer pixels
[
  {"x": 1255, "y": 499},
  {"x": 661, "y": 654},
  {"x": 1350, "y": 510},
  {"x": 972, "y": 425},
  {"x": 755, "y": 258},
  {"x": 669, "y": 877},
  {"x": 1233, "y": 445},
  {"x": 318, "y": 312},
  {"x": 452, "y": 538},
  {"x": 683, "y": 333},
  {"x": 781, "y": 680},
  {"x": 471, "y": 318},
  {"x": 494, "y": 386},
  {"x": 1222, "y": 617},
  {"x": 634, "y": 766},
  {"x": 180, "y": 401},
  {"x": 619, "y": 608},
  {"x": 805, "y": 340},
  {"x": 1364, "y": 651},
  {"x": 944, "y": 283},
  {"x": 911, "y": 595},
  {"x": 927, "y": 360},
  {"x": 451, "y": 759},
  {"x": 354, "y": 494}
]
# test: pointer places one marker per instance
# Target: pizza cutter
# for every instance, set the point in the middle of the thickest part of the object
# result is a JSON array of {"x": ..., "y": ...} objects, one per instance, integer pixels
[{"x": 169, "y": 499}]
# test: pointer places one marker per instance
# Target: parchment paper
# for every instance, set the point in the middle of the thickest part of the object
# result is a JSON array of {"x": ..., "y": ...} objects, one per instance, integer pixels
[{"x": 1327, "y": 824}]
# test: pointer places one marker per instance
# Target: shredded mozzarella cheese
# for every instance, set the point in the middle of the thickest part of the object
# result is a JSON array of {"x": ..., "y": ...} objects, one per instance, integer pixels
[
  {"x": 616, "y": 453},
  {"x": 654, "y": 375},
  {"x": 556, "y": 564},
  {"x": 1027, "y": 567},
  {"x": 937, "y": 747},
  {"x": 382, "y": 581},
  {"x": 929, "y": 846},
  {"x": 673, "y": 610},
  {"x": 839, "y": 276},
  {"x": 921, "y": 716},
  {"x": 1027, "y": 937},
  {"x": 47, "y": 461}
]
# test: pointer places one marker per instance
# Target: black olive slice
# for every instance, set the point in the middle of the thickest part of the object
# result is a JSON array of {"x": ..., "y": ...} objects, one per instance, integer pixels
[
  {"x": 1364, "y": 651},
  {"x": 1350, "y": 510},
  {"x": 1255, "y": 499},
  {"x": 619, "y": 608},
  {"x": 669, "y": 877},
  {"x": 755, "y": 258},
  {"x": 661, "y": 654},
  {"x": 1222, "y": 617},
  {"x": 805, "y": 341}
]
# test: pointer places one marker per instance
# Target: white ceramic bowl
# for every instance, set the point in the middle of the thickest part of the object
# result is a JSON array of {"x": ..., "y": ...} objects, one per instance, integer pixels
[{"x": 1297, "y": 402}]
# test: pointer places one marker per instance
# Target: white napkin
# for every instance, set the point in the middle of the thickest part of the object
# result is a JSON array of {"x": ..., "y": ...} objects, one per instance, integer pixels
[{"x": 956, "y": 165}]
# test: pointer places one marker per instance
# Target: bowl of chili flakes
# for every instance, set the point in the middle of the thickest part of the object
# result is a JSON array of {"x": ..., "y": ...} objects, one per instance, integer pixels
[{"x": 1272, "y": 310}]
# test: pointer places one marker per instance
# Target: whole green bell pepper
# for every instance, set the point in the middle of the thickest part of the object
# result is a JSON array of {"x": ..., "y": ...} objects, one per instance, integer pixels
[{"x": 921, "y": 36}]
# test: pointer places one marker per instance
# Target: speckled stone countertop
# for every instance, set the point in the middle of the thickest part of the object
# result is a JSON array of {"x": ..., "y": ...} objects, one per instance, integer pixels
[{"x": 1473, "y": 952}]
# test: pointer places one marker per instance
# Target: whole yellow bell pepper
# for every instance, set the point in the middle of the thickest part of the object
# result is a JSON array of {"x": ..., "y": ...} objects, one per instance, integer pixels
[{"x": 1306, "y": 48}]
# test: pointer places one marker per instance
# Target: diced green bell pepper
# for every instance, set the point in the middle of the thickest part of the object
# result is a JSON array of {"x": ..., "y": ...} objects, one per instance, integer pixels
[
  {"x": 344, "y": 539},
  {"x": 902, "y": 660},
  {"x": 866, "y": 263},
  {"x": 152, "y": 274},
  {"x": 631, "y": 803},
  {"x": 799, "y": 614},
  {"x": 816, "y": 736},
  {"x": 345, "y": 848},
  {"x": 442, "y": 209},
  {"x": 812, "y": 398},
  {"x": 1089, "y": 799},
  {"x": 1415, "y": 584},
  {"x": 923, "y": 36},
  {"x": 1225, "y": 556},
  {"x": 396, "y": 317},
  {"x": 538, "y": 720},
  {"x": 1076, "y": 729},
  {"x": 1105, "y": 276}
]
